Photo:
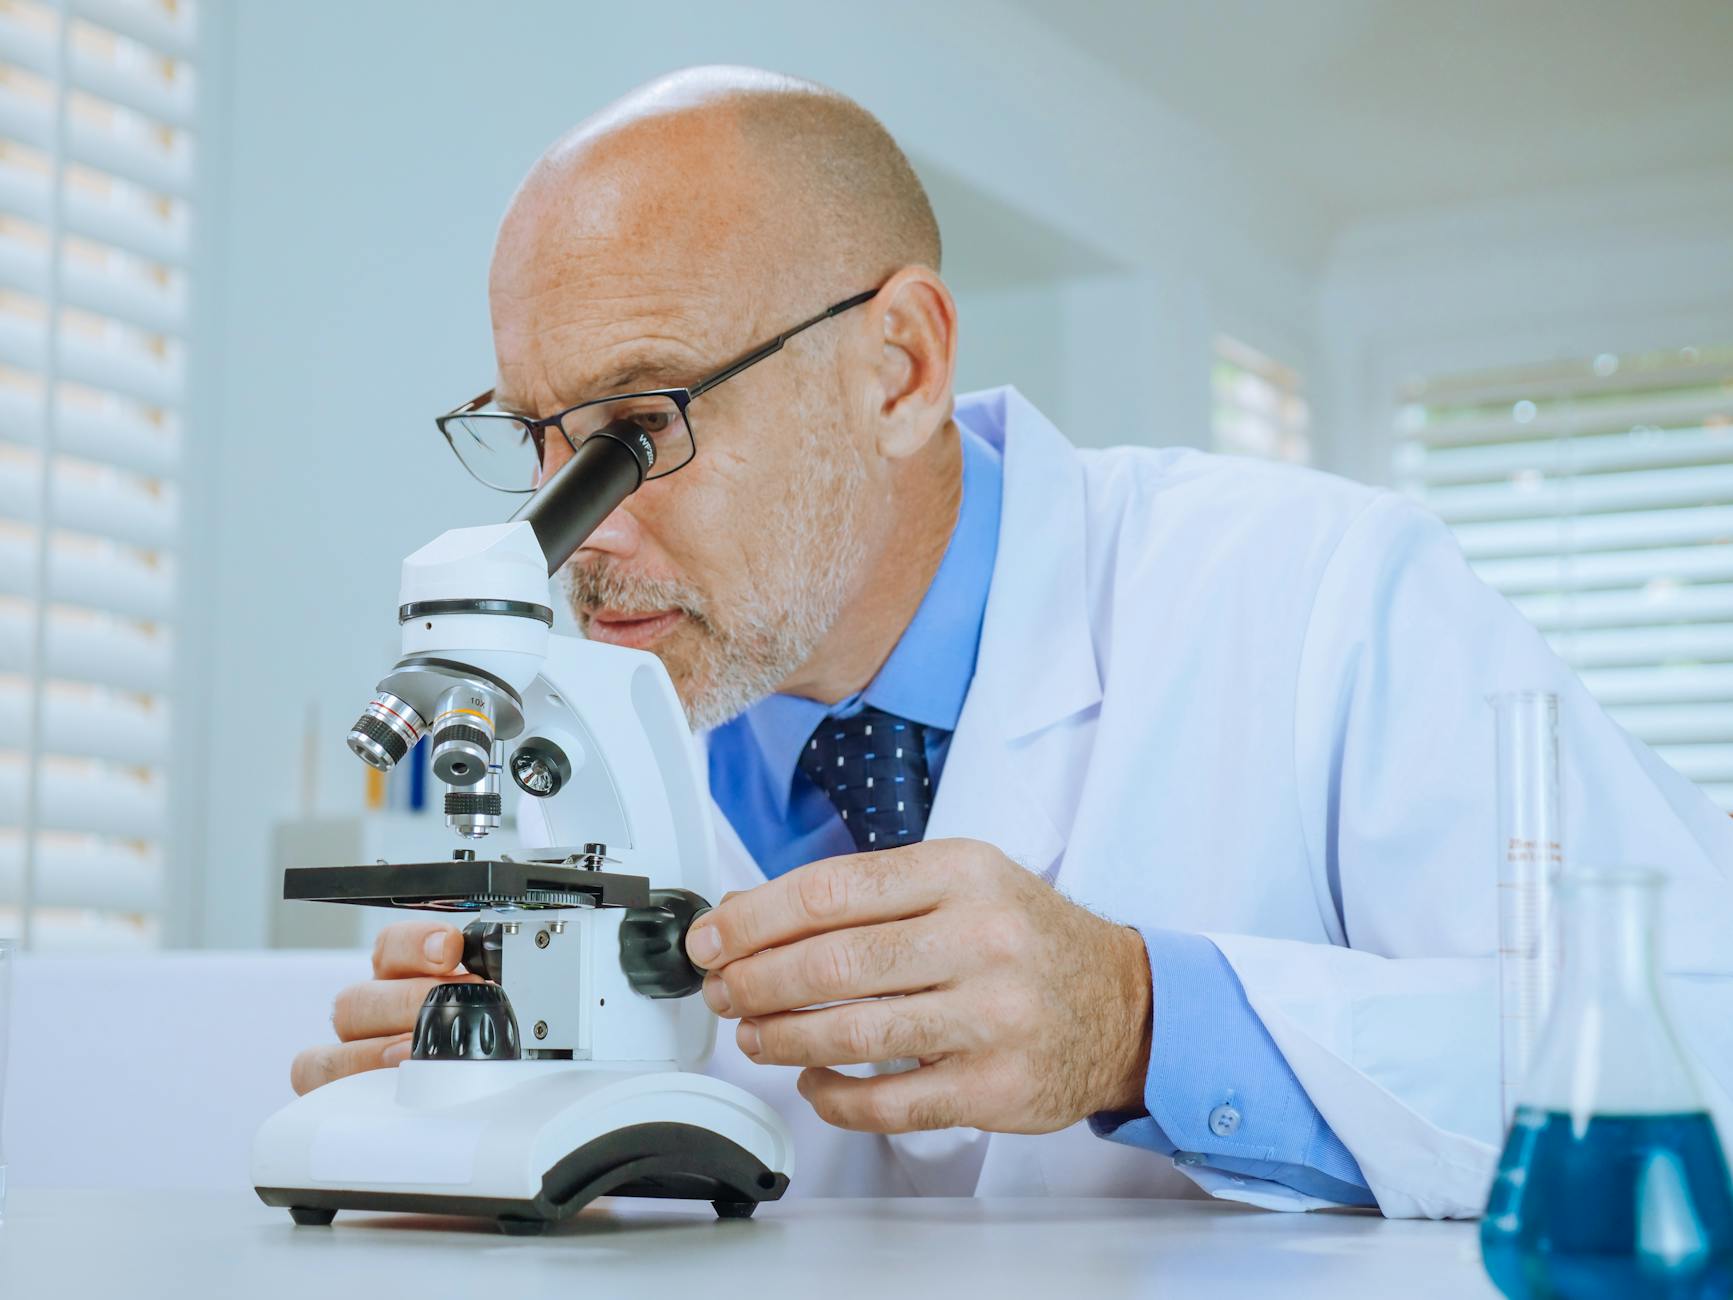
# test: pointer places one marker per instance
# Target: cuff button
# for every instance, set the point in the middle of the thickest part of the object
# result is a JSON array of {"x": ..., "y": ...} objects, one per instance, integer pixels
[{"x": 1224, "y": 1121}]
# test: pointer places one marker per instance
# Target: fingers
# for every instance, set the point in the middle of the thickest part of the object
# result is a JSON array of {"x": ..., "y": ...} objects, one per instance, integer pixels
[
  {"x": 374, "y": 1019},
  {"x": 886, "y": 1029},
  {"x": 317, "y": 1066},
  {"x": 867, "y": 961},
  {"x": 416, "y": 948},
  {"x": 384, "y": 1007},
  {"x": 924, "y": 1098},
  {"x": 859, "y": 889}
]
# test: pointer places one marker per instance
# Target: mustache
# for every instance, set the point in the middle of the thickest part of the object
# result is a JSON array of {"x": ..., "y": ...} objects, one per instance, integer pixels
[{"x": 600, "y": 584}]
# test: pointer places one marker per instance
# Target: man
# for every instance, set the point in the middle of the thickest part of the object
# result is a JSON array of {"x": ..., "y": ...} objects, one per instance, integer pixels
[{"x": 945, "y": 662}]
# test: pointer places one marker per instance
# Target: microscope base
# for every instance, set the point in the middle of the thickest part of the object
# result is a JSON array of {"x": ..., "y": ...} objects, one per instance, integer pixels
[{"x": 525, "y": 1143}]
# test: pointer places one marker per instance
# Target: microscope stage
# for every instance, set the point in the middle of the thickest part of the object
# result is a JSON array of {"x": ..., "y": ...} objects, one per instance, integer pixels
[{"x": 465, "y": 885}]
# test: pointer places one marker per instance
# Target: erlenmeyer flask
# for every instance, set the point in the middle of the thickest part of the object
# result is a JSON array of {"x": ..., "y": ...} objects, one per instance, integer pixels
[{"x": 1613, "y": 1182}]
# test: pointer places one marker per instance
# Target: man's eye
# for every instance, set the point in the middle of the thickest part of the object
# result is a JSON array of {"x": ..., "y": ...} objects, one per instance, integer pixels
[{"x": 653, "y": 422}]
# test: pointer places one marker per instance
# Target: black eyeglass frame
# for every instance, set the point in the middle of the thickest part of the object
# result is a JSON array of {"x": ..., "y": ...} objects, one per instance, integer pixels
[{"x": 681, "y": 397}]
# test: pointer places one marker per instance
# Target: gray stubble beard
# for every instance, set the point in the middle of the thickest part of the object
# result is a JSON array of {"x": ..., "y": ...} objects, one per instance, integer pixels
[{"x": 810, "y": 549}]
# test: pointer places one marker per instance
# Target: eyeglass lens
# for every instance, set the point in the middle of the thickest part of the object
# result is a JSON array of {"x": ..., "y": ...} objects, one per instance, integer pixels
[{"x": 503, "y": 452}]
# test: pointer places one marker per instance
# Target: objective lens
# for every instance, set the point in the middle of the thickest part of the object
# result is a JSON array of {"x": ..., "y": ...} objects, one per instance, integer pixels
[
  {"x": 463, "y": 735},
  {"x": 386, "y": 730},
  {"x": 475, "y": 811}
]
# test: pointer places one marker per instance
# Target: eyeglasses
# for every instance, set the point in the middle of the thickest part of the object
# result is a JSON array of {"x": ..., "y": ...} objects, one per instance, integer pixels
[{"x": 507, "y": 451}]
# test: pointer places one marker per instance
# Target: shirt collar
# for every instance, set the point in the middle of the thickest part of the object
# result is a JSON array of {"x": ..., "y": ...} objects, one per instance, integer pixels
[{"x": 928, "y": 673}]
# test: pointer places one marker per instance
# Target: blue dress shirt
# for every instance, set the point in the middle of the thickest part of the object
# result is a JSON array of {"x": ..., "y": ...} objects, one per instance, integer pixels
[{"x": 1219, "y": 1092}]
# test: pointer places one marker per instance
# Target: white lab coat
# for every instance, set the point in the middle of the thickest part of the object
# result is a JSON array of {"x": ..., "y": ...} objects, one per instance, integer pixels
[{"x": 1221, "y": 696}]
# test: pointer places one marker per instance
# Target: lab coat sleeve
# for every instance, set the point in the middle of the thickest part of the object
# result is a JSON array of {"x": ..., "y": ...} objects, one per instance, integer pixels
[{"x": 1393, "y": 1030}]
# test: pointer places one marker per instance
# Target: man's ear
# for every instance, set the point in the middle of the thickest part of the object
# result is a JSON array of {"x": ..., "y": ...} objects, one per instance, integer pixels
[{"x": 917, "y": 318}]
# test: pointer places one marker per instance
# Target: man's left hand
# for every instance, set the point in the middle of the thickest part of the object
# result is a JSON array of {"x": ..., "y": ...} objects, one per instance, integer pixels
[{"x": 1026, "y": 1011}]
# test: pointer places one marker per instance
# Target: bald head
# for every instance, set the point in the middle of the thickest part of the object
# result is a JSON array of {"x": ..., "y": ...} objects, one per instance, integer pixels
[{"x": 795, "y": 187}]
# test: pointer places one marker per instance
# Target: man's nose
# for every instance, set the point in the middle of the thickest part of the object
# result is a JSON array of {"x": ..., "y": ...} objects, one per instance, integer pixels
[{"x": 618, "y": 535}]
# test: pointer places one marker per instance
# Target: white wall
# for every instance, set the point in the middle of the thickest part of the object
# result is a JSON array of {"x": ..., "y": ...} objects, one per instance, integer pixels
[{"x": 363, "y": 160}]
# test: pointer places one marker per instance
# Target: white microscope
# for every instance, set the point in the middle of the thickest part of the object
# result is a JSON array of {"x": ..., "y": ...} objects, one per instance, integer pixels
[{"x": 571, "y": 1074}]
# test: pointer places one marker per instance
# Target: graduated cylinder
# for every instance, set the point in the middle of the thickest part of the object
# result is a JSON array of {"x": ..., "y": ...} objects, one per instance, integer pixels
[{"x": 1530, "y": 856}]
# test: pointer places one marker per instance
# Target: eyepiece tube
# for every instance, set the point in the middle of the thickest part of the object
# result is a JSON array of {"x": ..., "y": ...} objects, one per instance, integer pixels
[{"x": 607, "y": 467}]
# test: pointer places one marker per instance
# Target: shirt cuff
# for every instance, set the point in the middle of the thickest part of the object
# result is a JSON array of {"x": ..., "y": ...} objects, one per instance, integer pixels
[{"x": 1219, "y": 1093}]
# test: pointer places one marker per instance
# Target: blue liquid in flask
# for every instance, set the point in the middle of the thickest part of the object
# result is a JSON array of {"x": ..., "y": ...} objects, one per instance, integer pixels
[{"x": 1627, "y": 1206}]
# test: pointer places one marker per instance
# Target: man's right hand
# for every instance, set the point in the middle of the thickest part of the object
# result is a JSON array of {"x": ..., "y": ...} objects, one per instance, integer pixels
[{"x": 374, "y": 1019}]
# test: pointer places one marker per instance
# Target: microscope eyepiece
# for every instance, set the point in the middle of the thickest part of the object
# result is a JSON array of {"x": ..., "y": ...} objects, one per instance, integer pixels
[
  {"x": 607, "y": 467},
  {"x": 386, "y": 730}
]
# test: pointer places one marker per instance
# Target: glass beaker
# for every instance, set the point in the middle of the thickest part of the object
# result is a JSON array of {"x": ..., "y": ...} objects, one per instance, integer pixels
[{"x": 1613, "y": 1182}]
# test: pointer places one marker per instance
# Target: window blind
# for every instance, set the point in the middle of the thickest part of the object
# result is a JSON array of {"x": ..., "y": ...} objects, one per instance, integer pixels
[
  {"x": 97, "y": 145},
  {"x": 1259, "y": 405},
  {"x": 1598, "y": 495}
]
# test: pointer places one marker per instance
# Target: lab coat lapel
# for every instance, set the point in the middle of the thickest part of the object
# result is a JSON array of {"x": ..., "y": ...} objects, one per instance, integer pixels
[
  {"x": 1036, "y": 681},
  {"x": 1025, "y": 725}
]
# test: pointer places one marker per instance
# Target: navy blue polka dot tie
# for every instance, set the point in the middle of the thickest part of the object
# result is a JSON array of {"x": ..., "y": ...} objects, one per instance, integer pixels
[{"x": 873, "y": 767}]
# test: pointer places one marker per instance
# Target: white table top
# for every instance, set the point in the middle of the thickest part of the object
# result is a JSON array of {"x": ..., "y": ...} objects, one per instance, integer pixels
[{"x": 68, "y": 1245}]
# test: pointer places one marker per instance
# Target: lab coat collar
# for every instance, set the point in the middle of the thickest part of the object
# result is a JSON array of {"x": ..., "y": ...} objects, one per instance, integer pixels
[{"x": 1037, "y": 661}]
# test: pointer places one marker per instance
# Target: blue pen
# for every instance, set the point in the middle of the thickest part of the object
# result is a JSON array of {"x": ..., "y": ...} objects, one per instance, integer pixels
[{"x": 418, "y": 776}]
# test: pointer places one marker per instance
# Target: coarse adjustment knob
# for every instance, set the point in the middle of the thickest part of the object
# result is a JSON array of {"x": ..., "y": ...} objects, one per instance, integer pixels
[
  {"x": 653, "y": 944},
  {"x": 466, "y": 1022}
]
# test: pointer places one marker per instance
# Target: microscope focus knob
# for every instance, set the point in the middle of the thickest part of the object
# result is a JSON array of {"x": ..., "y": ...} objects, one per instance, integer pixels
[
  {"x": 653, "y": 944},
  {"x": 466, "y": 1022},
  {"x": 483, "y": 943}
]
